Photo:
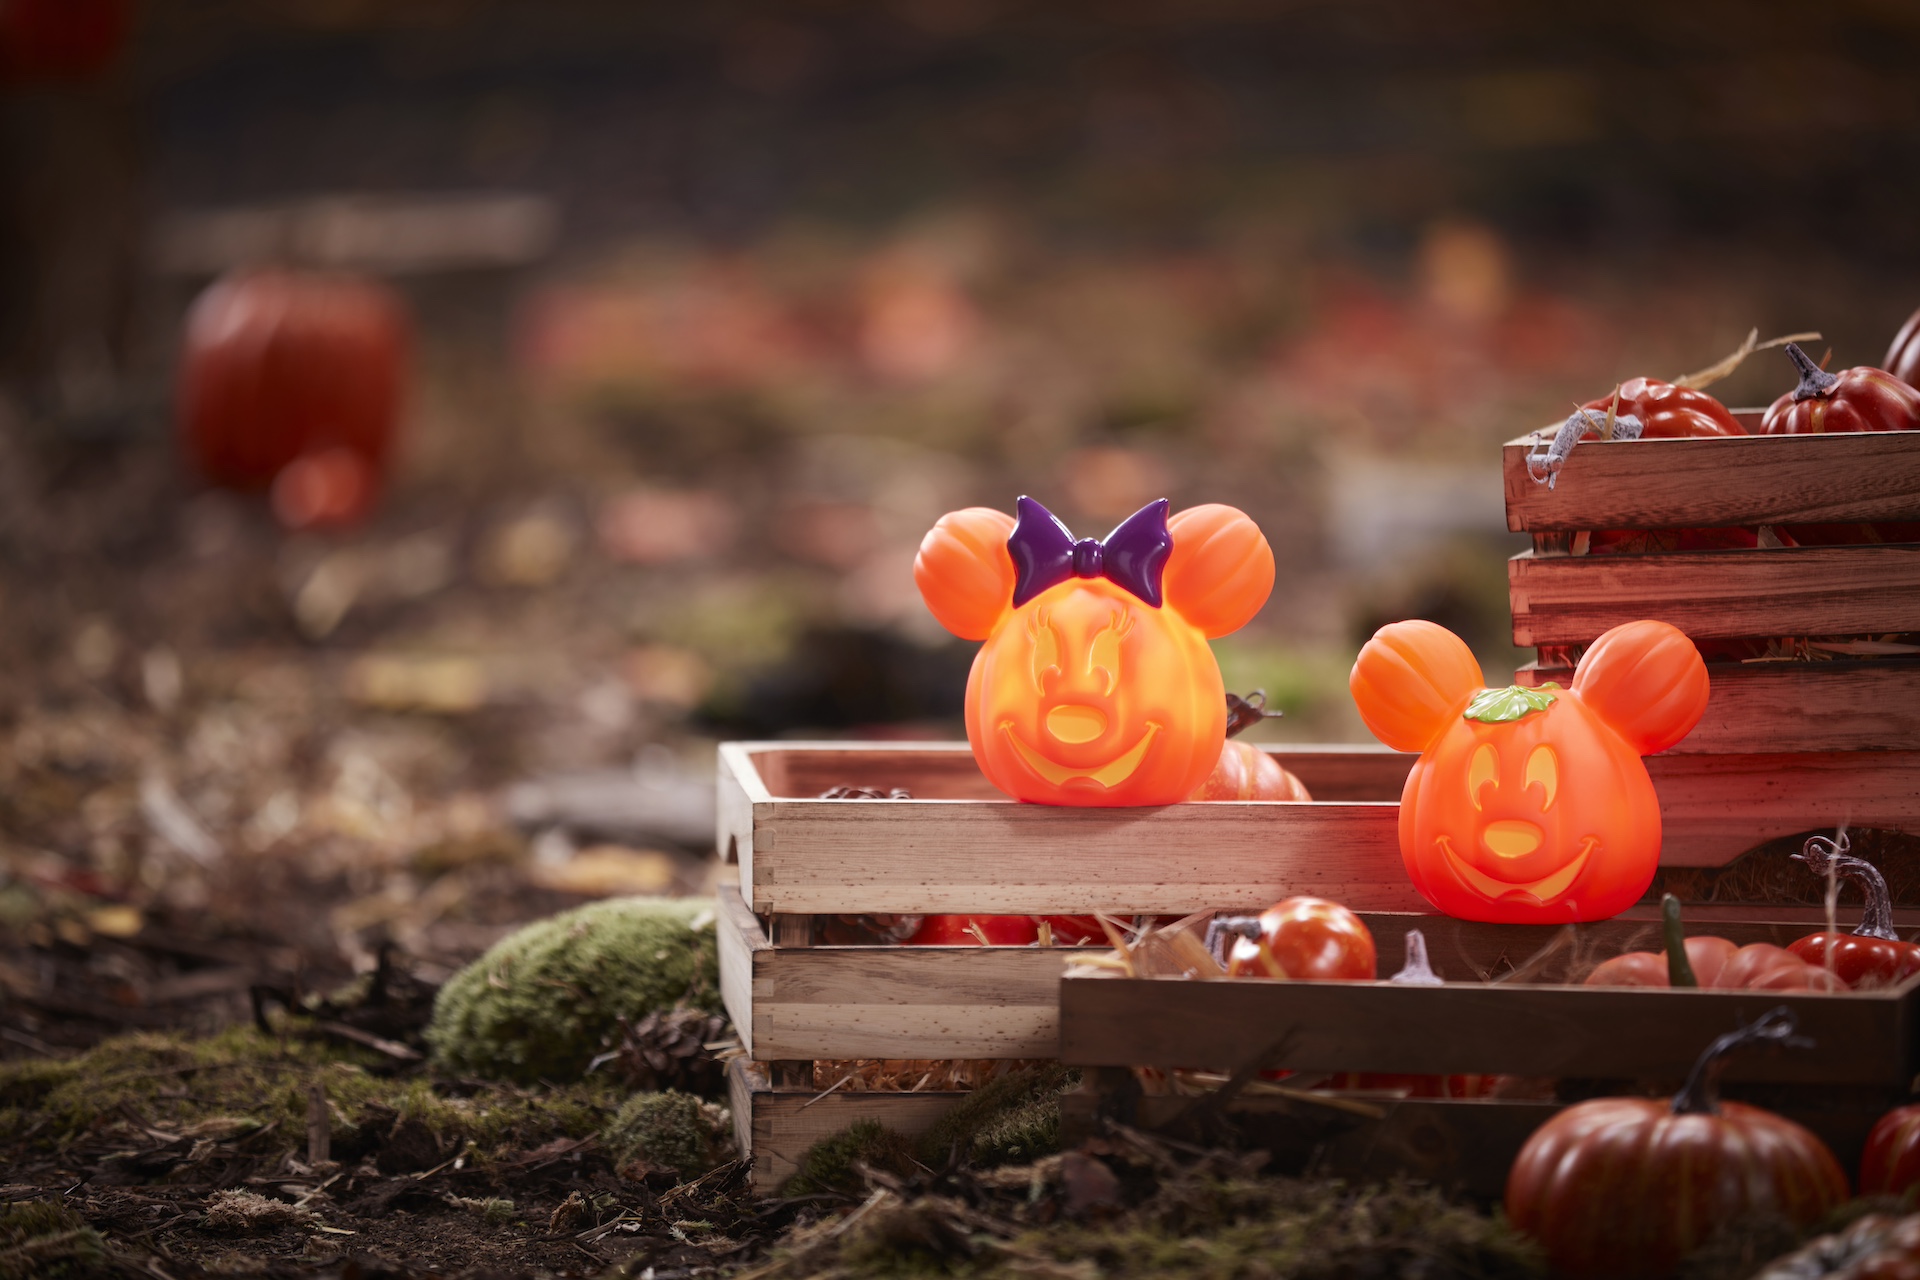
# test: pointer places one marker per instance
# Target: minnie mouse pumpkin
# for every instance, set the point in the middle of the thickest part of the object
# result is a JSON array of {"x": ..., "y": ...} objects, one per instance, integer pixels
[
  {"x": 1530, "y": 806},
  {"x": 1095, "y": 686}
]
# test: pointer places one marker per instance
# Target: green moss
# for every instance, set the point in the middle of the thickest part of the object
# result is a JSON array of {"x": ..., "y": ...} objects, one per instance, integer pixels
[
  {"x": 668, "y": 1131},
  {"x": 175, "y": 1081},
  {"x": 829, "y": 1165},
  {"x": 1012, "y": 1118},
  {"x": 40, "y": 1240},
  {"x": 545, "y": 999}
]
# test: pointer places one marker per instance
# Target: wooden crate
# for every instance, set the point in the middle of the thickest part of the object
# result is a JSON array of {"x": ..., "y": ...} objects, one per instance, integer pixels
[
  {"x": 1591, "y": 1039},
  {"x": 961, "y": 846},
  {"x": 1563, "y": 600}
]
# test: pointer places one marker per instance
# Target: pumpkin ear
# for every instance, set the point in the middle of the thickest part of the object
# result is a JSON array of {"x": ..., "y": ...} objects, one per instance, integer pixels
[
  {"x": 1410, "y": 679},
  {"x": 964, "y": 571},
  {"x": 1221, "y": 569},
  {"x": 1646, "y": 680}
]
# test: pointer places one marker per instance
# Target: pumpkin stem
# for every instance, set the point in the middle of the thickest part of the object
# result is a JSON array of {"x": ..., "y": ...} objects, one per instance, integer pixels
[
  {"x": 1417, "y": 971},
  {"x": 1826, "y": 857},
  {"x": 1815, "y": 383},
  {"x": 1221, "y": 930},
  {"x": 1244, "y": 713},
  {"x": 1700, "y": 1095},
  {"x": 1679, "y": 968}
]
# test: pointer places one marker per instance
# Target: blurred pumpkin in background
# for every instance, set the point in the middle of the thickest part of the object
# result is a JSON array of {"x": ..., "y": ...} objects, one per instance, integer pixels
[
  {"x": 46, "y": 40},
  {"x": 295, "y": 381}
]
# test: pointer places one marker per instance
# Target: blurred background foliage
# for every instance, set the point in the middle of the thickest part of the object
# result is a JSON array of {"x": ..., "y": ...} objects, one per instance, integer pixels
[{"x": 719, "y": 307}]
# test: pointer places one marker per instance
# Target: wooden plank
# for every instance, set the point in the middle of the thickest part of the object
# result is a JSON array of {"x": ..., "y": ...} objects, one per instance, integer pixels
[
  {"x": 997, "y": 856},
  {"x": 790, "y": 933},
  {"x": 1861, "y": 1038},
  {"x": 739, "y": 938},
  {"x": 907, "y": 1002},
  {"x": 1714, "y": 808},
  {"x": 778, "y": 1127},
  {"x": 946, "y": 770},
  {"x": 1765, "y": 708},
  {"x": 1672, "y": 484},
  {"x": 1785, "y": 591}
]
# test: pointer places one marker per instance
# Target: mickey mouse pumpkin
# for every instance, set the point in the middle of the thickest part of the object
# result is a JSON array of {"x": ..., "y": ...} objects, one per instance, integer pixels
[
  {"x": 1530, "y": 806},
  {"x": 1095, "y": 686}
]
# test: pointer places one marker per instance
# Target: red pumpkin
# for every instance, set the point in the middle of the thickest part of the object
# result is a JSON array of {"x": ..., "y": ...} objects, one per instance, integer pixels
[
  {"x": 1307, "y": 939},
  {"x": 1873, "y": 955},
  {"x": 1245, "y": 772},
  {"x": 1891, "y": 1161},
  {"x": 1858, "y": 399},
  {"x": 1710, "y": 962},
  {"x": 1903, "y": 357},
  {"x": 44, "y": 40},
  {"x": 278, "y": 365},
  {"x": 974, "y": 931},
  {"x": 1667, "y": 411},
  {"x": 1628, "y": 1186}
]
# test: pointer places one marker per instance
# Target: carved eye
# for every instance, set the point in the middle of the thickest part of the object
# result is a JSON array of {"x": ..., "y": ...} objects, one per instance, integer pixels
[
  {"x": 1105, "y": 653},
  {"x": 1046, "y": 651},
  {"x": 1481, "y": 770},
  {"x": 1544, "y": 769}
]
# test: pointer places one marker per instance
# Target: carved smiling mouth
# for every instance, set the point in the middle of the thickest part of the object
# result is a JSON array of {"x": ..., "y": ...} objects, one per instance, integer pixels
[
  {"x": 1109, "y": 775},
  {"x": 1543, "y": 890}
]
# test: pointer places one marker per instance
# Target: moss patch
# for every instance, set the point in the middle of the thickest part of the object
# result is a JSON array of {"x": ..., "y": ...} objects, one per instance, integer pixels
[
  {"x": 241, "y": 1079},
  {"x": 1010, "y": 1119},
  {"x": 668, "y": 1132},
  {"x": 830, "y": 1164},
  {"x": 40, "y": 1240},
  {"x": 544, "y": 1000}
]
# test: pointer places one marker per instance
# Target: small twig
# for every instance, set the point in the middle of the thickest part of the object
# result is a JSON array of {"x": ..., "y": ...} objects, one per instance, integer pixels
[
  {"x": 319, "y": 1126},
  {"x": 824, "y": 1092},
  {"x": 379, "y": 1044}
]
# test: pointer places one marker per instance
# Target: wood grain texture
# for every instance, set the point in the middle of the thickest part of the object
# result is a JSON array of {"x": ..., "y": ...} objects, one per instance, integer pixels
[
  {"x": 1671, "y": 484},
  {"x": 1713, "y": 808},
  {"x": 1765, "y": 708},
  {"x": 778, "y": 1127},
  {"x": 1788, "y": 591},
  {"x": 738, "y": 936},
  {"x": 993, "y": 855},
  {"x": 1861, "y": 1038}
]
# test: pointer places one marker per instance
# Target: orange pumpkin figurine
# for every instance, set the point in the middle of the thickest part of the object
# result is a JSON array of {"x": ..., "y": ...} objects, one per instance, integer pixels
[
  {"x": 1095, "y": 686},
  {"x": 1530, "y": 806}
]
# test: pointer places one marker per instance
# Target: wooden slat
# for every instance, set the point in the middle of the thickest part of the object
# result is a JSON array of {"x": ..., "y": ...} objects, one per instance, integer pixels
[
  {"x": 1714, "y": 808},
  {"x": 1861, "y": 1038},
  {"x": 1788, "y": 591},
  {"x": 1672, "y": 484},
  {"x": 997, "y": 856},
  {"x": 1764, "y": 708},
  {"x": 739, "y": 938},
  {"x": 907, "y": 1002},
  {"x": 778, "y": 1127}
]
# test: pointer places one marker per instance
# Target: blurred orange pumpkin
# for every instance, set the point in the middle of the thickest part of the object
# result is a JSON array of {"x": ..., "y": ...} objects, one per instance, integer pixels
[{"x": 279, "y": 365}]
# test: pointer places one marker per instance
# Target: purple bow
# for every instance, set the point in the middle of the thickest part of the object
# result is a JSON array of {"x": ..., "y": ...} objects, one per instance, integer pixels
[{"x": 1132, "y": 557}]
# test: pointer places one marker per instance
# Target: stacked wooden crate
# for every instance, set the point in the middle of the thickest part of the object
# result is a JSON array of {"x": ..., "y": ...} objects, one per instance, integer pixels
[{"x": 1785, "y": 747}]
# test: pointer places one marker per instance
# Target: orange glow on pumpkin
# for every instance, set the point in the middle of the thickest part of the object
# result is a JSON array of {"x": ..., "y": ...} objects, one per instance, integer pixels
[
  {"x": 1086, "y": 694},
  {"x": 1530, "y": 806}
]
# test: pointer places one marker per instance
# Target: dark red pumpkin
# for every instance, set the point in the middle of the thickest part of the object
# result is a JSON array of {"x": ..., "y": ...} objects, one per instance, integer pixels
[
  {"x": 1668, "y": 411},
  {"x": 1873, "y": 955},
  {"x": 278, "y": 365},
  {"x": 974, "y": 931},
  {"x": 1859, "y": 399},
  {"x": 1629, "y": 1186},
  {"x": 1717, "y": 963},
  {"x": 46, "y": 40},
  {"x": 1891, "y": 1161},
  {"x": 1903, "y": 357}
]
